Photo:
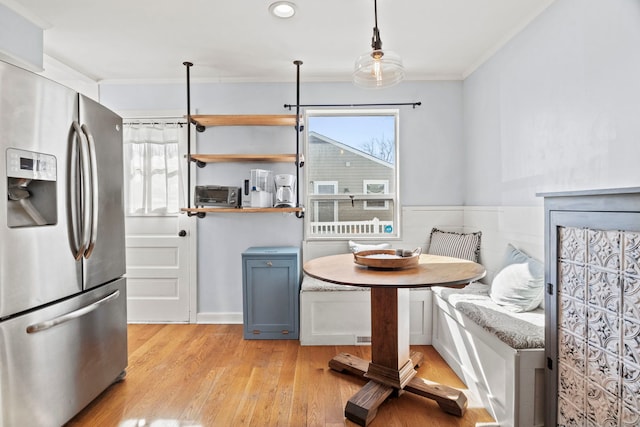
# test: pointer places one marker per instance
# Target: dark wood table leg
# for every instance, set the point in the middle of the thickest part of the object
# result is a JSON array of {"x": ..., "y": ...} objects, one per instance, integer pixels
[
  {"x": 451, "y": 400},
  {"x": 362, "y": 407},
  {"x": 392, "y": 365},
  {"x": 357, "y": 366}
]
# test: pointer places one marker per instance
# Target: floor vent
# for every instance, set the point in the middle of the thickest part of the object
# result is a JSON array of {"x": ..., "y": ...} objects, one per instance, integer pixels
[{"x": 360, "y": 340}]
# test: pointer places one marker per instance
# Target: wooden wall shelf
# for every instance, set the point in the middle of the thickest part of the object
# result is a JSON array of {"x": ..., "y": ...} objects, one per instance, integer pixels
[
  {"x": 202, "y": 121},
  {"x": 245, "y": 120},
  {"x": 242, "y": 210},
  {"x": 258, "y": 158}
]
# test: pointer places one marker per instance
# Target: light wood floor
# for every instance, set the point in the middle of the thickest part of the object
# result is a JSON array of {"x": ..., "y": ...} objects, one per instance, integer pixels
[{"x": 208, "y": 375}]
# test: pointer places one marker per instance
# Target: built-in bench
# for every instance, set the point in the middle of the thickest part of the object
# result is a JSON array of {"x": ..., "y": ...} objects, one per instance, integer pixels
[
  {"x": 498, "y": 354},
  {"x": 332, "y": 314}
]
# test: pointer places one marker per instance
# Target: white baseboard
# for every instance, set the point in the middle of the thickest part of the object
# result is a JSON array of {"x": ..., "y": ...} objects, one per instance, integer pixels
[{"x": 220, "y": 318}]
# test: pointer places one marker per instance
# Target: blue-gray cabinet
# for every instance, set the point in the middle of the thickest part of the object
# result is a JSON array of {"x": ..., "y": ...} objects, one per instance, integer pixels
[{"x": 270, "y": 288}]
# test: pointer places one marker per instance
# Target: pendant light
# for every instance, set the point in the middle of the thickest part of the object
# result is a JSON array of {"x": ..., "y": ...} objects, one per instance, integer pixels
[{"x": 378, "y": 68}]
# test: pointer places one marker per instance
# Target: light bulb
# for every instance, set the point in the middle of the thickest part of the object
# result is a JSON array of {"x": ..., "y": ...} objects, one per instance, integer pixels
[{"x": 377, "y": 71}]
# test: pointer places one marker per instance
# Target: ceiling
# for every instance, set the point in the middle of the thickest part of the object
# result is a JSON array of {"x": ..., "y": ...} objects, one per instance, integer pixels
[{"x": 235, "y": 40}]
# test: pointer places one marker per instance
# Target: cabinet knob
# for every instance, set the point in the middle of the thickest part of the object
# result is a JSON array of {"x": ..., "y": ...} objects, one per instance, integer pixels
[
  {"x": 269, "y": 263},
  {"x": 182, "y": 233}
]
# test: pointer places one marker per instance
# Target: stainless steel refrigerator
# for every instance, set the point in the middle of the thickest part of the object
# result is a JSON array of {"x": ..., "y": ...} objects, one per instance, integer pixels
[{"x": 63, "y": 336}]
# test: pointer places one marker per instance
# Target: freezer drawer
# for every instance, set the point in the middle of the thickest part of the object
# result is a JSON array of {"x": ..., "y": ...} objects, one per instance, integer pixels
[{"x": 56, "y": 360}]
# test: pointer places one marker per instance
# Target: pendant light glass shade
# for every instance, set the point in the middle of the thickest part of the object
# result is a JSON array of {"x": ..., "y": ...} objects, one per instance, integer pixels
[{"x": 378, "y": 68}]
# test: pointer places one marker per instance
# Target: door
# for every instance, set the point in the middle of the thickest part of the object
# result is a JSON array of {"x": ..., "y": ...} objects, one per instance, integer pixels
[
  {"x": 160, "y": 241},
  {"x": 105, "y": 260},
  {"x": 37, "y": 265}
]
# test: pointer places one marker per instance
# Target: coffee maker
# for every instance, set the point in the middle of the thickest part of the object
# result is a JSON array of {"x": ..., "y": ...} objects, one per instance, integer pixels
[{"x": 285, "y": 191}]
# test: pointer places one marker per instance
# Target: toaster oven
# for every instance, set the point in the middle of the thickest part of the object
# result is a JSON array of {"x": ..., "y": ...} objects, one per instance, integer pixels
[{"x": 217, "y": 196}]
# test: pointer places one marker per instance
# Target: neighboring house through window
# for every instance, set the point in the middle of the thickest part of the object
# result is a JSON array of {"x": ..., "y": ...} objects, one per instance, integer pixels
[{"x": 351, "y": 174}]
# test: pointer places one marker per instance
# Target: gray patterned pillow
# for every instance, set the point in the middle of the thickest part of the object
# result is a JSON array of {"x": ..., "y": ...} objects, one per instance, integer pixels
[{"x": 457, "y": 245}]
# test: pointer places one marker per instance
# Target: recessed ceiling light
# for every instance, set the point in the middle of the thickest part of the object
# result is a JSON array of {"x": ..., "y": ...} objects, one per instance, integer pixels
[{"x": 282, "y": 9}]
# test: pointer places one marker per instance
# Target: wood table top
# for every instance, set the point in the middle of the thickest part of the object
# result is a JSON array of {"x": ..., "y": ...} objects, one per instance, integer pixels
[{"x": 432, "y": 270}]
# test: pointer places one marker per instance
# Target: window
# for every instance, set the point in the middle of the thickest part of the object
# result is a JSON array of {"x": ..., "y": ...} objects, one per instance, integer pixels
[
  {"x": 351, "y": 174},
  {"x": 152, "y": 169},
  {"x": 376, "y": 186},
  {"x": 325, "y": 210}
]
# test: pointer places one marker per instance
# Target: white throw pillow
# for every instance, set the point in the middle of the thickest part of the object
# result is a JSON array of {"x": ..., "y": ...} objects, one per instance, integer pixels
[
  {"x": 519, "y": 285},
  {"x": 358, "y": 247}
]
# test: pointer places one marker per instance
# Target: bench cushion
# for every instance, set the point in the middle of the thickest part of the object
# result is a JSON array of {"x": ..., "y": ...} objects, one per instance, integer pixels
[
  {"x": 517, "y": 330},
  {"x": 311, "y": 284}
]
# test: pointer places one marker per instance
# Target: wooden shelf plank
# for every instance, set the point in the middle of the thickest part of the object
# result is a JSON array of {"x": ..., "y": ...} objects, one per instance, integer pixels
[
  {"x": 245, "y": 120},
  {"x": 242, "y": 210},
  {"x": 261, "y": 158}
]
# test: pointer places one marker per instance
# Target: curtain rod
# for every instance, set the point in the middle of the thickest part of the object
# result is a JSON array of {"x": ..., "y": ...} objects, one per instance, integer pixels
[{"x": 389, "y": 104}]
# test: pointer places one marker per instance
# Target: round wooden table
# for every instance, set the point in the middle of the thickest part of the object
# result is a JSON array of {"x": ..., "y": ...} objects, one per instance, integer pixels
[{"x": 392, "y": 365}]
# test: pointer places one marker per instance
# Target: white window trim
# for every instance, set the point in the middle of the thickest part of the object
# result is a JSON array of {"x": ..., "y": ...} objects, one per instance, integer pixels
[{"x": 395, "y": 196}]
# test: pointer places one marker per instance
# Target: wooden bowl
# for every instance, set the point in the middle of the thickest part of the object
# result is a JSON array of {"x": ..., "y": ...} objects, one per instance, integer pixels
[{"x": 386, "y": 259}]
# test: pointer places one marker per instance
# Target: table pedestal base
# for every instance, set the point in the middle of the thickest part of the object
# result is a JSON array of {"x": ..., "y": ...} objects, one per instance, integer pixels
[{"x": 363, "y": 406}]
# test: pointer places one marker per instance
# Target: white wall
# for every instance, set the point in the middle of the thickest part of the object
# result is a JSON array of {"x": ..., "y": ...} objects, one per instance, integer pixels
[
  {"x": 20, "y": 40},
  {"x": 431, "y": 161},
  {"x": 21, "y": 44},
  {"x": 558, "y": 107}
]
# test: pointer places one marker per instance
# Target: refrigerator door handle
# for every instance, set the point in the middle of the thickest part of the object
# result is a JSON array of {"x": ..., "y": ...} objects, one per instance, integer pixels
[
  {"x": 85, "y": 164},
  {"x": 94, "y": 191},
  {"x": 48, "y": 324},
  {"x": 78, "y": 240}
]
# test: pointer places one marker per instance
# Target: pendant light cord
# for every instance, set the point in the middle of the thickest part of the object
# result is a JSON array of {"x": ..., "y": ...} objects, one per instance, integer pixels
[{"x": 376, "y": 43}]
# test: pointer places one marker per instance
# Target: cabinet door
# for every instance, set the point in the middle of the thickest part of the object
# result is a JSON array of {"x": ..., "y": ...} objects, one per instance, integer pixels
[
  {"x": 592, "y": 340},
  {"x": 270, "y": 298}
]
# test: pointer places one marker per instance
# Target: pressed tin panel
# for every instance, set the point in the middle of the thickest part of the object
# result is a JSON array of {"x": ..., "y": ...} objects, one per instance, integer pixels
[
  {"x": 632, "y": 254},
  {"x": 604, "y": 290},
  {"x": 603, "y": 329},
  {"x": 572, "y": 352},
  {"x": 630, "y": 417},
  {"x": 573, "y": 247},
  {"x": 598, "y": 327},
  {"x": 631, "y": 301},
  {"x": 604, "y": 249},
  {"x": 602, "y": 407},
  {"x": 631, "y": 339},
  {"x": 573, "y": 316},
  {"x": 571, "y": 398},
  {"x": 573, "y": 282}
]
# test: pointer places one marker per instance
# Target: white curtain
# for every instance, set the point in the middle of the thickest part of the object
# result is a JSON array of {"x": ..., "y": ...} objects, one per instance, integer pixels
[{"x": 152, "y": 169}]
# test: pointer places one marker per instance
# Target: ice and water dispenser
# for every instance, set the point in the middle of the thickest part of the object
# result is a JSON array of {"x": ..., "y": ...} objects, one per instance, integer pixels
[{"x": 31, "y": 188}]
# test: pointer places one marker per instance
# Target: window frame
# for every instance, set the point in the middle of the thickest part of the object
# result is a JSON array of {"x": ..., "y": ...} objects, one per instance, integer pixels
[{"x": 394, "y": 196}]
